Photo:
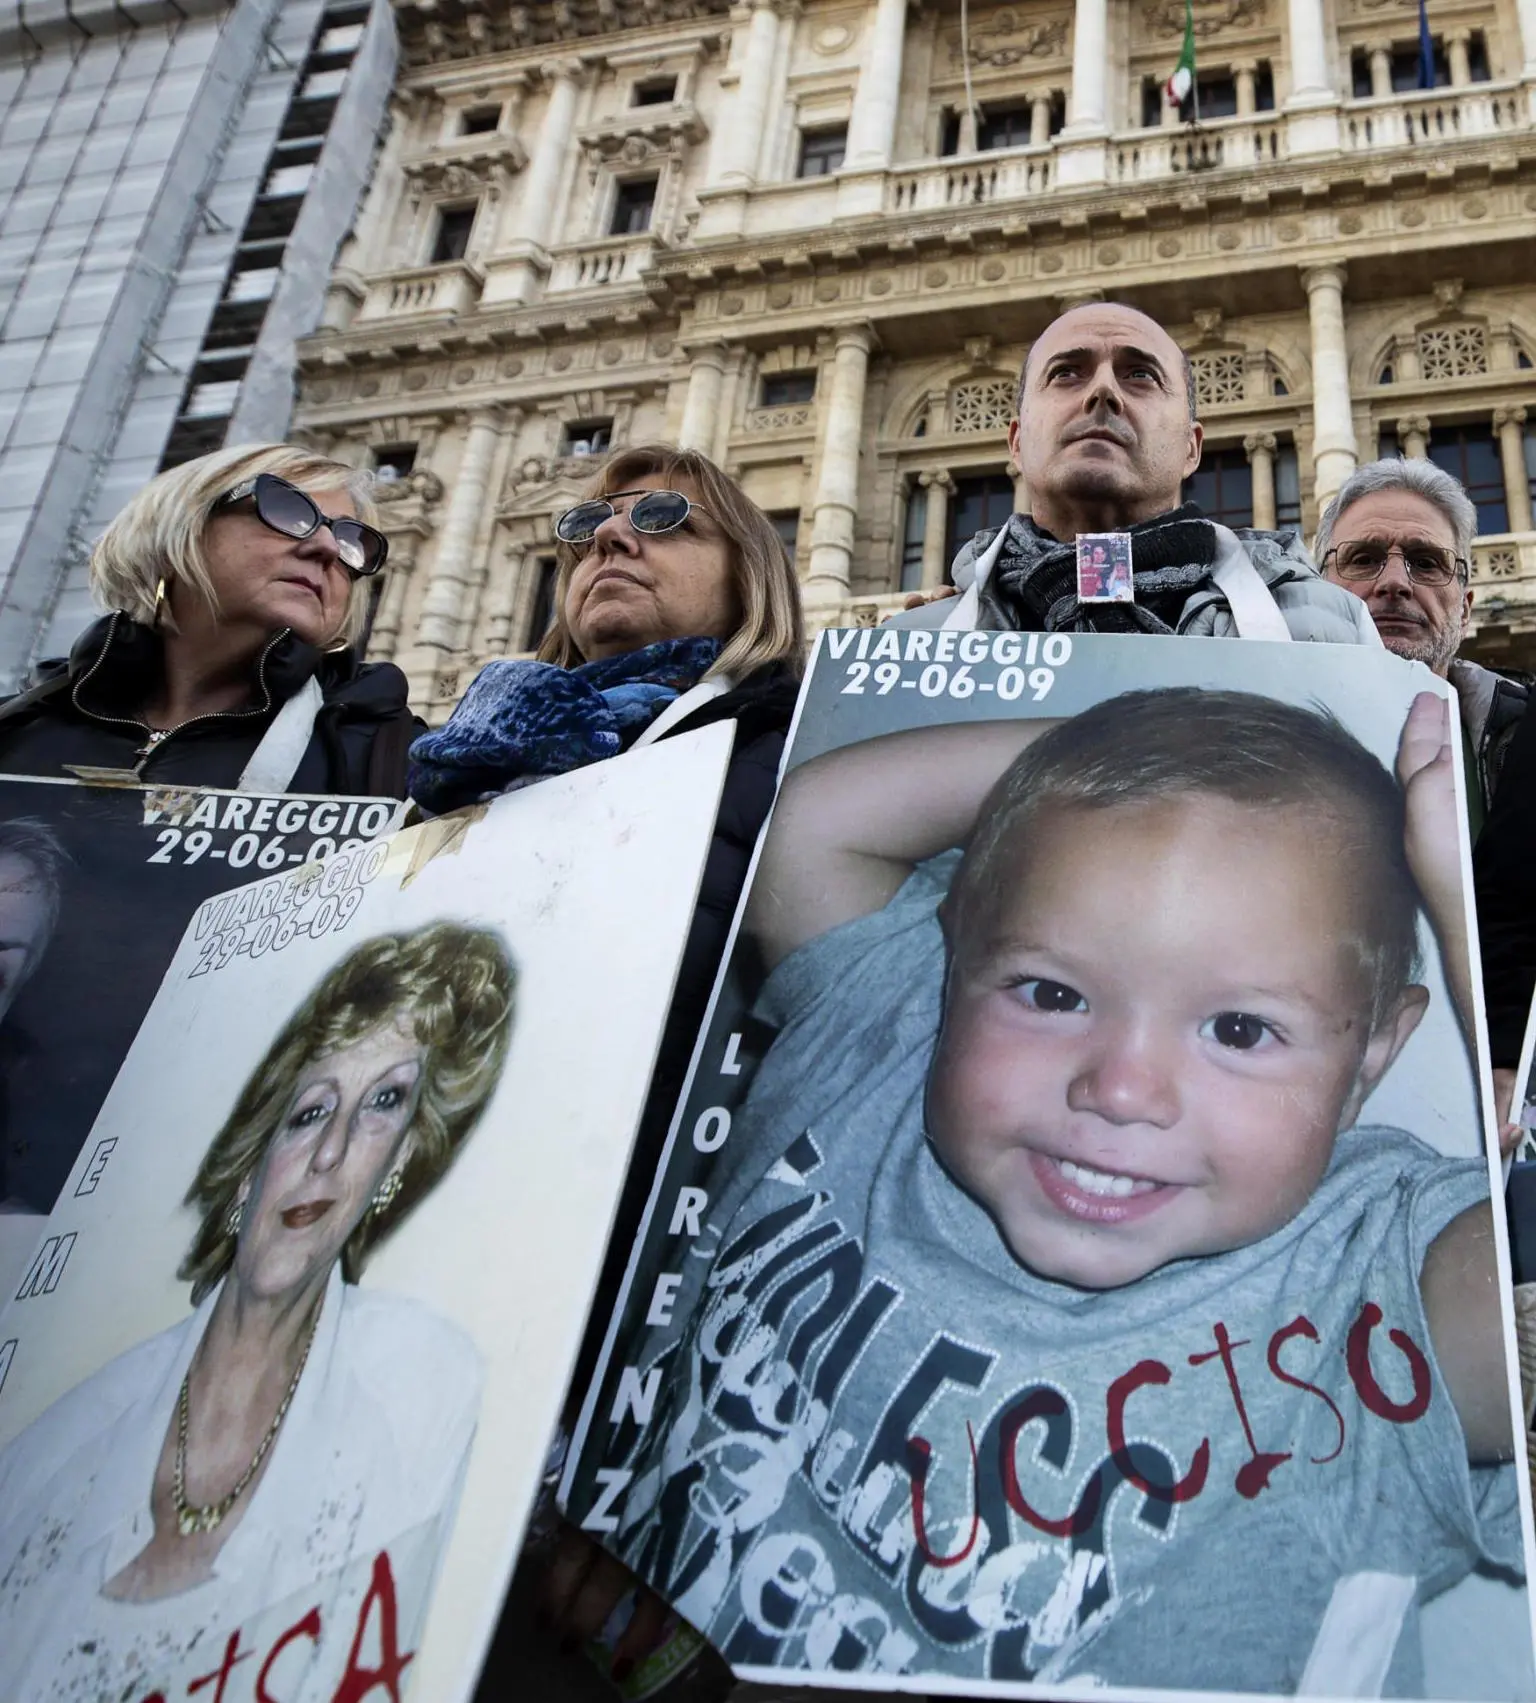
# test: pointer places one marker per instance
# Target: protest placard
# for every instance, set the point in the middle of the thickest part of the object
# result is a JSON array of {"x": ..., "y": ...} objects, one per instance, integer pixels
[
  {"x": 97, "y": 885},
  {"x": 279, "y": 1381},
  {"x": 1072, "y": 1264}
]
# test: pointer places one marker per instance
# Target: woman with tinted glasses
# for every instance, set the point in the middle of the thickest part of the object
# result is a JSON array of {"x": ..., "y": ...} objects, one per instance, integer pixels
[
  {"x": 239, "y": 584},
  {"x": 676, "y": 605}
]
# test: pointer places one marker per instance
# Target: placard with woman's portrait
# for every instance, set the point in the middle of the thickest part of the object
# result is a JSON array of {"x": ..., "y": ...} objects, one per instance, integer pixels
[{"x": 278, "y": 1382}]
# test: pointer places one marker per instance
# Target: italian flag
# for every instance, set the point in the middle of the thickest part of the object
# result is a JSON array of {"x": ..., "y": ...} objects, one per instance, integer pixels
[{"x": 1183, "y": 78}]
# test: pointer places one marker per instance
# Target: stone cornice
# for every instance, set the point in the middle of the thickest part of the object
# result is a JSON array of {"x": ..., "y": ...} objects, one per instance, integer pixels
[
  {"x": 441, "y": 32},
  {"x": 763, "y": 292}
]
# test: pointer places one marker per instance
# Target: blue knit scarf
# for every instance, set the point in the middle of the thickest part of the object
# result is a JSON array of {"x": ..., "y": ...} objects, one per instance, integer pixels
[{"x": 522, "y": 721}]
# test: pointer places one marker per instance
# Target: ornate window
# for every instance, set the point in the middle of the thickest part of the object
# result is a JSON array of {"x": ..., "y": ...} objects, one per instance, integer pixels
[
  {"x": 982, "y": 405},
  {"x": 1218, "y": 378},
  {"x": 1453, "y": 351}
]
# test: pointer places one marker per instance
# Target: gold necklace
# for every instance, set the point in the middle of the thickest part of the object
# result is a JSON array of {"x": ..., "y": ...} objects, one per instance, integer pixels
[{"x": 191, "y": 1520}]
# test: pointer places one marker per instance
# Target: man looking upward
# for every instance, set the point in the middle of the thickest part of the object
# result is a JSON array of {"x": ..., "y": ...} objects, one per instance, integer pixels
[{"x": 1105, "y": 434}]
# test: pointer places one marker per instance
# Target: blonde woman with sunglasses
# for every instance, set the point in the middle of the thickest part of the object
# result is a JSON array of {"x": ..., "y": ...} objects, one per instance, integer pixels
[{"x": 238, "y": 587}]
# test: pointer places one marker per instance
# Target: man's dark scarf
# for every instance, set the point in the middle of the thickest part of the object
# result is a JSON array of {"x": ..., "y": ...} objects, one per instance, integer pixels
[{"x": 1033, "y": 584}]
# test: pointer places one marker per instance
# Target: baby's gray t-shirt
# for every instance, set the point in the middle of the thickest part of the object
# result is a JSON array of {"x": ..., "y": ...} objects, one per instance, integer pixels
[{"x": 885, "y": 1446}]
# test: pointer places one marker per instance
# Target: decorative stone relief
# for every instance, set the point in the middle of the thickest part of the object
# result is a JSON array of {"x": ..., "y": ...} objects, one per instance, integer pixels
[
  {"x": 1011, "y": 36},
  {"x": 1499, "y": 563},
  {"x": 1218, "y": 378},
  {"x": 1166, "y": 17},
  {"x": 1453, "y": 351},
  {"x": 982, "y": 405}
]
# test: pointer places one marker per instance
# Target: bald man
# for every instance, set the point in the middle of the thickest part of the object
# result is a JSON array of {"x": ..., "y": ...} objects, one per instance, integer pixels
[{"x": 1105, "y": 434}]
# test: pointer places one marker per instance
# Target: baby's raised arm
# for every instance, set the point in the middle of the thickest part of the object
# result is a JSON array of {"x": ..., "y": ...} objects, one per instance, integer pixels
[
  {"x": 1425, "y": 768},
  {"x": 1460, "y": 1288},
  {"x": 849, "y": 827}
]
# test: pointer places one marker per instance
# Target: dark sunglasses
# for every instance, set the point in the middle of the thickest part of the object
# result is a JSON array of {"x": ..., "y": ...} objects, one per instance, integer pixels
[
  {"x": 360, "y": 549},
  {"x": 1425, "y": 563},
  {"x": 651, "y": 512}
]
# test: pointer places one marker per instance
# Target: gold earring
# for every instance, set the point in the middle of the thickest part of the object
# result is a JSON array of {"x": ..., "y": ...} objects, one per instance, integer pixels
[
  {"x": 384, "y": 1197},
  {"x": 233, "y": 1222},
  {"x": 159, "y": 602}
]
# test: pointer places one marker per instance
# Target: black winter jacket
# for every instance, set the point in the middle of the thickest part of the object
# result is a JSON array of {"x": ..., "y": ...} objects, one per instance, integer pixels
[{"x": 83, "y": 710}]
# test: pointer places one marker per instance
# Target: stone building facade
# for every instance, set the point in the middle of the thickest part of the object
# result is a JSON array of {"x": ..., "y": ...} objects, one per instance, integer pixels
[{"x": 783, "y": 232}]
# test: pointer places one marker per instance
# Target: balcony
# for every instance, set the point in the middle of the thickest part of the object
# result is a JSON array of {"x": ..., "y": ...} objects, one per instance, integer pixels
[
  {"x": 1436, "y": 115},
  {"x": 971, "y": 180},
  {"x": 439, "y": 291},
  {"x": 602, "y": 264},
  {"x": 1222, "y": 143}
]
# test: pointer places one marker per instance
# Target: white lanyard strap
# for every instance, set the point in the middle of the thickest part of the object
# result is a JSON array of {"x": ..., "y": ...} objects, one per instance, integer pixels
[
  {"x": 275, "y": 761},
  {"x": 966, "y": 607},
  {"x": 1255, "y": 613},
  {"x": 684, "y": 705}
]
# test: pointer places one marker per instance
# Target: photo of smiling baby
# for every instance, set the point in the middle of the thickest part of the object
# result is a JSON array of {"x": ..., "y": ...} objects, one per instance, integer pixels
[{"x": 1052, "y": 1317}]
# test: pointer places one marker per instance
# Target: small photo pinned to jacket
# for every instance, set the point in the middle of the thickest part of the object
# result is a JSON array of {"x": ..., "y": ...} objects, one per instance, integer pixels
[{"x": 1104, "y": 568}]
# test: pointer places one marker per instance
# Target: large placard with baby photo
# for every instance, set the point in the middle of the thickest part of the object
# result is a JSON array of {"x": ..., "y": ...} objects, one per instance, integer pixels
[
  {"x": 279, "y": 1380},
  {"x": 1072, "y": 1264}
]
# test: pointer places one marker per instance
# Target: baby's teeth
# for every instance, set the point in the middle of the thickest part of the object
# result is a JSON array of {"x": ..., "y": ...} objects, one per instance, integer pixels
[{"x": 1096, "y": 1182}]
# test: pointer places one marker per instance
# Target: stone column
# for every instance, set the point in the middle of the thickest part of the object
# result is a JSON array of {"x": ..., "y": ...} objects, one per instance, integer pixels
[
  {"x": 1244, "y": 72},
  {"x": 938, "y": 485},
  {"x": 837, "y": 487},
  {"x": 1039, "y": 120},
  {"x": 1381, "y": 70},
  {"x": 701, "y": 407},
  {"x": 1458, "y": 44},
  {"x": 1334, "y": 451},
  {"x": 541, "y": 181},
  {"x": 1090, "y": 66},
  {"x": 1509, "y": 423},
  {"x": 1309, "y": 54},
  {"x": 872, "y": 126},
  {"x": 1525, "y": 10},
  {"x": 1413, "y": 436},
  {"x": 443, "y": 608},
  {"x": 1260, "y": 450},
  {"x": 739, "y": 133},
  {"x": 517, "y": 274},
  {"x": 384, "y": 640},
  {"x": 505, "y": 597}
]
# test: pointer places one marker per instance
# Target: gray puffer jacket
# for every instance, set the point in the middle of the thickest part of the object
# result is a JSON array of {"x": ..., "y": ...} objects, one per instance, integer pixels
[{"x": 1031, "y": 585}]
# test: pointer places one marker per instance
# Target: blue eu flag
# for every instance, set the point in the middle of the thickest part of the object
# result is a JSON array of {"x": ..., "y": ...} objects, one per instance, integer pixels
[{"x": 1426, "y": 49}]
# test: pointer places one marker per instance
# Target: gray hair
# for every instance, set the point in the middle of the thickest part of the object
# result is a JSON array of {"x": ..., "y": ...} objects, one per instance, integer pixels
[{"x": 1423, "y": 478}]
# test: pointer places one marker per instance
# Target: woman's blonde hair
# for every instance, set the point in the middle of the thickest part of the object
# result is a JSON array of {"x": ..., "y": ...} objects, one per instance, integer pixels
[
  {"x": 454, "y": 987},
  {"x": 772, "y": 626},
  {"x": 159, "y": 533}
]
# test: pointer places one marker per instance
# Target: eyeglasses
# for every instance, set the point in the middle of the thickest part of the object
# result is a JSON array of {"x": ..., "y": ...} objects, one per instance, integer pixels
[
  {"x": 1425, "y": 564},
  {"x": 361, "y": 549},
  {"x": 651, "y": 512}
]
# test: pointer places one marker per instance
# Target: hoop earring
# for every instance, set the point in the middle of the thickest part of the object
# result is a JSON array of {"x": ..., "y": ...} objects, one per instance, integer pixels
[
  {"x": 233, "y": 1222},
  {"x": 384, "y": 1196},
  {"x": 159, "y": 602}
]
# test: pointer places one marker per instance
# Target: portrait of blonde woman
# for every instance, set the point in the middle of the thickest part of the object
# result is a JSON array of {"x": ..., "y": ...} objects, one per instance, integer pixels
[{"x": 295, "y": 1422}]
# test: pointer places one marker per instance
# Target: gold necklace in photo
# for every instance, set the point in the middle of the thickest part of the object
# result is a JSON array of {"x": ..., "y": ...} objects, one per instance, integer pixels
[{"x": 191, "y": 1520}]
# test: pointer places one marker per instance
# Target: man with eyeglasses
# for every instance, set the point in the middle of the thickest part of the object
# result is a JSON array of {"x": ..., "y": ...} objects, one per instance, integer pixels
[{"x": 1399, "y": 536}]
